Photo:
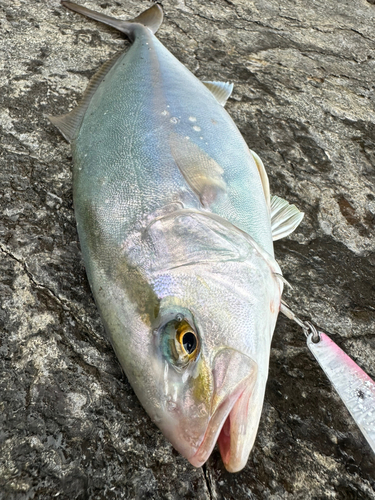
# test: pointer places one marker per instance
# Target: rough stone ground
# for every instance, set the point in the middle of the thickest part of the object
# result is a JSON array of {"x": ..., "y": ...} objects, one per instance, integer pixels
[{"x": 71, "y": 427}]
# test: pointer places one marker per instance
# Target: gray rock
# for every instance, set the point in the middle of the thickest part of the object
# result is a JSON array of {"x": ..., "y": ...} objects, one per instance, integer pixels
[{"x": 71, "y": 427}]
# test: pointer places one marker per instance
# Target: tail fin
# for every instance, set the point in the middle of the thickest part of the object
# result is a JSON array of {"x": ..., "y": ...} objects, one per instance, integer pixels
[{"x": 151, "y": 18}]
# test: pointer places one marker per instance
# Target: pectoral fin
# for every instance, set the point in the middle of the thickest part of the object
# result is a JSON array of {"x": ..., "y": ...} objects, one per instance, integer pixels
[
  {"x": 201, "y": 172},
  {"x": 284, "y": 218}
]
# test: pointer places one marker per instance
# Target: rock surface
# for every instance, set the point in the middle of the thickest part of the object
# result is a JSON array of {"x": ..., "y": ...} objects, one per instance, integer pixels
[{"x": 70, "y": 425}]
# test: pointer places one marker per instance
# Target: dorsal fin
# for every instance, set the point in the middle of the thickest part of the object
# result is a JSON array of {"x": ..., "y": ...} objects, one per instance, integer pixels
[
  {"x": 220, "y": 90},
  {"x": 70, "y": 123},
  {"x": 284, "y": 218},
  {"x": 151, "y": 18},
  {"x": 201, "y": 172},
  {"x": 263, "y": 177}
]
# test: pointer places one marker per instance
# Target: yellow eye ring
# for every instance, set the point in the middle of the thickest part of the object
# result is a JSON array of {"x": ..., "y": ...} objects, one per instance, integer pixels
[{"x": 187, "y": 339}]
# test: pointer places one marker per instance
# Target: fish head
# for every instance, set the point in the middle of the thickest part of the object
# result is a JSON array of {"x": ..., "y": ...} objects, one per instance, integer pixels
[{"x": 205, "y": 358}]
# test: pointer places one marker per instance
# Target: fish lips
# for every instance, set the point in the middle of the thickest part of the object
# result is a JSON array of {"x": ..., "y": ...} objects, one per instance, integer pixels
[{"x": 231, "y": 423}]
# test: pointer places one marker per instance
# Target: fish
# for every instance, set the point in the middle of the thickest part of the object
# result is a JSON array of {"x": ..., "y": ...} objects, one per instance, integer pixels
[{"x": 176, "y": 225}]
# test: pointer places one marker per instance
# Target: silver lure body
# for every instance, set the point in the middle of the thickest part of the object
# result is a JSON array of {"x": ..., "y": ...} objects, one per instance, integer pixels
[{"x": 354, "y": 386}]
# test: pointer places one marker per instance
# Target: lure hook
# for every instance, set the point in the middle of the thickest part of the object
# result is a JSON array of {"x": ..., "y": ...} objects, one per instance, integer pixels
[{"x": 307, "y": 327}]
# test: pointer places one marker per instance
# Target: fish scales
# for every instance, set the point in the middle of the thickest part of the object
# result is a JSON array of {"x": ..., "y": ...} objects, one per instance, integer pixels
[
  {"x": 147, "y": 96},
  {"x": 175, "y": 218}
]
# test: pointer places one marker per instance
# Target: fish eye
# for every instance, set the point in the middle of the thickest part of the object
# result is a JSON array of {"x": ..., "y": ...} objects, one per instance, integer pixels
[
  {"x": 179, "y": 341},
  {"x": 189, "y": 342},
  {"x": 187, "y": 339}
]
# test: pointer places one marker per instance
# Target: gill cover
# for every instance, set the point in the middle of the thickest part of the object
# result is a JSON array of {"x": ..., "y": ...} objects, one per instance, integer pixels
[{"x": 219, "y": 299}]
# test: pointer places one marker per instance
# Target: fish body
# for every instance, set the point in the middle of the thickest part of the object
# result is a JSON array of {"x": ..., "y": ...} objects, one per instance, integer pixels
[
  {"x": 175, "y": 224},
  {"x": 149, "y": 106}
]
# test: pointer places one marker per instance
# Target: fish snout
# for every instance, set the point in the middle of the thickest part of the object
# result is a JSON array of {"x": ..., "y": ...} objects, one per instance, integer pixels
[{"x": 234, "y": 377}]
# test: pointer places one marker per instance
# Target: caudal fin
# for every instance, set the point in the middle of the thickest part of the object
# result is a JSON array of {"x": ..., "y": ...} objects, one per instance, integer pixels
[{"x": 151, "y": 18}]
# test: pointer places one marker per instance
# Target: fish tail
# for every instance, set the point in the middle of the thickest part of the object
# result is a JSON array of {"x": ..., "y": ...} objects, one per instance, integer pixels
[{"x": 151, "y": 18}]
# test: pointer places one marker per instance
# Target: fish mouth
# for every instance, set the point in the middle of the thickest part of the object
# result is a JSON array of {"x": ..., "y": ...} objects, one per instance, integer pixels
[{"x": 229, "y": 428}]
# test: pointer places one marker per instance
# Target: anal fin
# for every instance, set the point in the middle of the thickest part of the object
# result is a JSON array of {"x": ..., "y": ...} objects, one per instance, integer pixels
[{"x": 284, "y": 218}]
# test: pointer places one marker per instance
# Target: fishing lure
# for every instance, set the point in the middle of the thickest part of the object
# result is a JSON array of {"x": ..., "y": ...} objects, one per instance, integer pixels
[{"x": 353, "y": 385}]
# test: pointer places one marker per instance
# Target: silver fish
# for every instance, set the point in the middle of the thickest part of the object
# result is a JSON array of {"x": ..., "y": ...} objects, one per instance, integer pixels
[{"x": 176, "y": 225}]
